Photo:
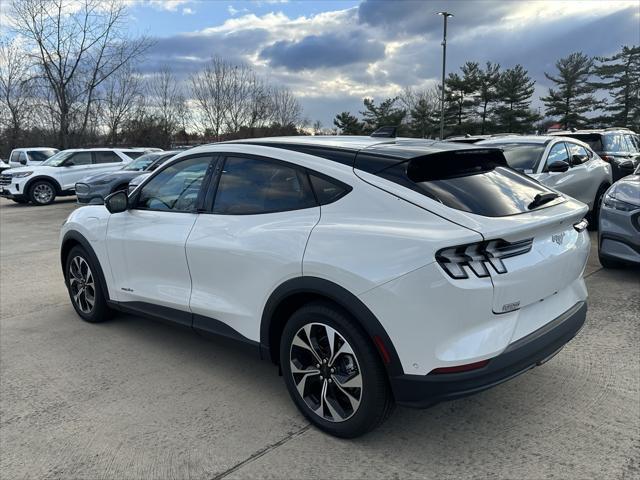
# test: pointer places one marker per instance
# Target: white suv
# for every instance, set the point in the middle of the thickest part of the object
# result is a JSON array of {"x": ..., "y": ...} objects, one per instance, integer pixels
[
  {"x": 58, "y": 175},
  {"x": 30, "y": 156},
  {"x": 373, "y": 271}
]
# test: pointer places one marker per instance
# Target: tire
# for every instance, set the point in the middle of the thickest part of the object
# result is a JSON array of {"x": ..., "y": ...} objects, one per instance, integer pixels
[
  {"x": 607, "y": 262},
  {"x": 347, "y": 413},
  {"x": 594, "y": 214},
  {"x": 42, "y": 192},
  {"x": 80, "y": 271}
]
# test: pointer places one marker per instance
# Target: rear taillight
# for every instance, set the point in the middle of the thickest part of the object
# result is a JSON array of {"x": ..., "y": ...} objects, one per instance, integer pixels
[
  {"x": 477, "y": 257},
  {"x": 607, "y": 158},
  {"x": 459, "y": 368}
]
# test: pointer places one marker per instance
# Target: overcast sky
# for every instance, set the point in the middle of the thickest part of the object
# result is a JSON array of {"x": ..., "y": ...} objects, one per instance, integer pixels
[{"x": 334, "y": 53}]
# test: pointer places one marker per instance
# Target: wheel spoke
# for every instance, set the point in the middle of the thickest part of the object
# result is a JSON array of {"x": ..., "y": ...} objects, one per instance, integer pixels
[
  {"x": 323, "y": 395},
  {"x": 334, "y": 413},
  {"x": 355, "y": 402},
  {"x": 344, "y": 348}
]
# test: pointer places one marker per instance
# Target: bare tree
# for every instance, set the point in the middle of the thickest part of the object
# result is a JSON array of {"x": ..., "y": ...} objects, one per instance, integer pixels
[
  {"x": 77, "y": 45},
  {"x": 286, "y": 111},
  {"x": 209, "y": 89},
  {"x": 16, "y": 90},
  {"x": 167, "y": 103},
  {"x": 121, "y": 95}
]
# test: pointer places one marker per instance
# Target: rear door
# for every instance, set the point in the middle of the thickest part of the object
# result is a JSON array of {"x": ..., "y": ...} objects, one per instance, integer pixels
[{"x": 252, "y": 240}]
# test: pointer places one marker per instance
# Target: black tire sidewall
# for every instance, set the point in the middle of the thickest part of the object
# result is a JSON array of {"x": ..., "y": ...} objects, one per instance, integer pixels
[
  {"x": 376, "y": 401},
  {"x": 100, "y": 310},
  {"x": 32, "y": 196}
]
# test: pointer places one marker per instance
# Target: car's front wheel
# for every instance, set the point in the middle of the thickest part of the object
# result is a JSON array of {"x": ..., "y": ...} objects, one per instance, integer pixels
[
  {"x": 42, "y": 192},
  {"x": 84, "y": 287},
  {"x": 333, "y": 372}
]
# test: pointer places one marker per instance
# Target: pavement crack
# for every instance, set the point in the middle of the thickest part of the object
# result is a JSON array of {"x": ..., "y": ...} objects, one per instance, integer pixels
[{"x": 261, "y": 452}]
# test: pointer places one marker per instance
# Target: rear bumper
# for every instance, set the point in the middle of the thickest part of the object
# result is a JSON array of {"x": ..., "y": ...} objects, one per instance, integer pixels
[{"x": 421, "y": 391}]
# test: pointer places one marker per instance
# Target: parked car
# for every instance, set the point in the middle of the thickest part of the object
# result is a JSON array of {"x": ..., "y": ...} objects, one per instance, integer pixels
[
  {"x": 58, "y": 175},
  {"x": 618, "y": 146},
  {"x": 4, "y": 166},
  {"x": 468, "y": 138},
  {"x": 21, "y": 157},
  {"x": 619, "y": 236},
  {"x": 95, "y": 188},
  {"x": 374, "y": 271},
  {"x": 566, "y": 164}
]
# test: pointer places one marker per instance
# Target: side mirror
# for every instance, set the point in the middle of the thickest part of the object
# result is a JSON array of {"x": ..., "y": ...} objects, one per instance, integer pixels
[
  {"x": 558, "y": 167},
  {"x": 23, "y": 162},
  {"x": 578, "y": 159},
  {"x": 117, "y": 202}
]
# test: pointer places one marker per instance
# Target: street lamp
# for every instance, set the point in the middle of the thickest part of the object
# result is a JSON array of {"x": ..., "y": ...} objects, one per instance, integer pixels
[{"x": 445, "y": 16}]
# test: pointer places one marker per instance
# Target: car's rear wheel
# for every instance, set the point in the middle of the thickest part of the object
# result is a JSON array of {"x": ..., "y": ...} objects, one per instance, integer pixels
[
  {"x": 333, "y": 372},
  {"x": 84, "y": 287},
  {"x": 42, "y": 192}
]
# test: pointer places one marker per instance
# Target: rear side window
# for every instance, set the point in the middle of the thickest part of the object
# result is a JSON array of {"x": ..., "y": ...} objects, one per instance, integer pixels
[
  {"x": 250, "y": 186},
  {"x": 633, "y": 142},
  {"x": 578, "y": 150},
  {"x": 328, "y": 191},
  {"x": 40, "y": 155},
  {"x": 558, "y": 153},
  {"x": 593, "y": 140},
  {"x": 523, "y": 157},
  {"x": 107, "y": 157}
]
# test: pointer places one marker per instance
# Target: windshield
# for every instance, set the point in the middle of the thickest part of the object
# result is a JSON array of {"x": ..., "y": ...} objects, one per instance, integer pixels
[
  {"x": 58, "y": 159},
  {"x": 141, "y": 163},
  {"x": 523, "y": 157}
]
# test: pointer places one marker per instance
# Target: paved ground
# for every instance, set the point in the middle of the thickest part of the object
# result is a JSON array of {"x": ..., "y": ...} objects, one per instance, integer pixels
[{"x": 132, "y": 398}]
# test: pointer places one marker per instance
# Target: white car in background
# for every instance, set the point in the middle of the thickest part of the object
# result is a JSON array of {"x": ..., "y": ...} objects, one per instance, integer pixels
[
  {"x": 21, "y": 157},
  {"x": 57, "y": 176},
  {"x": 374, "y": 271},
  {"x": 4, "y": 166}
]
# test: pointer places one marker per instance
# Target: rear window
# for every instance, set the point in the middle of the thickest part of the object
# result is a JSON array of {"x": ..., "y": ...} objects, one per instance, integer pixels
[
  {"x": 615, "y": 143},
  {"x": 474, "y": 181},
  {"x": 41, "y": 155},
  {"x": 594, "y": 140},
  {"x": 523, "y": 157}
]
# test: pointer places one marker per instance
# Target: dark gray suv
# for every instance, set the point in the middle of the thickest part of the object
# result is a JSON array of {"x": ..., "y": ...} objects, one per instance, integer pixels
[{"x": 618, "y": 146}]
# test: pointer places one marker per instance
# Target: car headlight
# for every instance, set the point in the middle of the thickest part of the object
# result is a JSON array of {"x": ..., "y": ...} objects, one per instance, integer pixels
[
  {"x": 610, "y": 201},
  {"x": 21, "y": 174}
]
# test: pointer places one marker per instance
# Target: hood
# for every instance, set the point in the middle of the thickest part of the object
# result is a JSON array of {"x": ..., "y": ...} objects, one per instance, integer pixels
[
  {"x": 118, "y": 174},
  {"x": 627, "y": 189},
  {"x": 36, "y": 169}
]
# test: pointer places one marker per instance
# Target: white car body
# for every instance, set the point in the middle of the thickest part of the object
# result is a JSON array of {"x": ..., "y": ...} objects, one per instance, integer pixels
[
  {"x": 379, "y": 245},
  {"x": 24, "y": 156},
  {"x": 16, "y": 182}
]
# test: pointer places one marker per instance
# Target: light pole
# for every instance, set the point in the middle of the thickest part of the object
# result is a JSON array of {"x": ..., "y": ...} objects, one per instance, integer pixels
[{"x": 445, "y": 16}]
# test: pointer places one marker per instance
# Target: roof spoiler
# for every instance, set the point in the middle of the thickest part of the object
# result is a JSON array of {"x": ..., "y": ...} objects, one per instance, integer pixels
[{"x": 385, "y": 132}]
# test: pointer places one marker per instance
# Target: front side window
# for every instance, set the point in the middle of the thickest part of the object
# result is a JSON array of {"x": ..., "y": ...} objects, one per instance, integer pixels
[
  {"x": 558, "y": 153},
  {"x": 633, "y": 142},
  {"x": 175, "y": 188},
  {"x": 251, "y": 186},
  {"x": 23, "y": 157},
  {"x": 615, "y": 143},
  {"x": 15, "y": 156},
  {"x": 107, "y": 157},
  {"x": 80, "y": 158}
]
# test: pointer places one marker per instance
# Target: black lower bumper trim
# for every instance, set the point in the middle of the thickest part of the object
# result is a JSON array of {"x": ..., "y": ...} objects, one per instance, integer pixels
[{"x": 421, "y": 391}]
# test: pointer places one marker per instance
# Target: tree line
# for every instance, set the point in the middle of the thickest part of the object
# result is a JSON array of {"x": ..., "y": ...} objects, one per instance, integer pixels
[
  {"x": 68, "y": 78},
  {"x": 487, "y": 99}
]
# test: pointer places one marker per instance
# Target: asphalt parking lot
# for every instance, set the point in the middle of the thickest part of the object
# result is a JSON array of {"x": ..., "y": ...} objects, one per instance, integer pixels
[{"x": 133, "y": 398}]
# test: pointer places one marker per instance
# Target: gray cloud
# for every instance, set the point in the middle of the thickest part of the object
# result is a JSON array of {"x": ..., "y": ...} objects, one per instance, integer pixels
[{"x": 324, "y": 51}]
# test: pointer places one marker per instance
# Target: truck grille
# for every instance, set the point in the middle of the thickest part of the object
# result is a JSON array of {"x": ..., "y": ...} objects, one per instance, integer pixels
[{"x": 5, "y": 180}]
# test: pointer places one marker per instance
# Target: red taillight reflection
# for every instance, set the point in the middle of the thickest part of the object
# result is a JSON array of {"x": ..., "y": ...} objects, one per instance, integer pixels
[{"x": 459, "y": 368}]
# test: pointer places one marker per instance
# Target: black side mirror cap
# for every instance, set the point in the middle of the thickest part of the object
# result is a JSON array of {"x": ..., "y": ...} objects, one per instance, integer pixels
[
  {"x": 558, "y": 167},
  {"x": 578, "y": 159},
  {"x": 117, "y": 202},
  {"x": 627, "y": 165}
]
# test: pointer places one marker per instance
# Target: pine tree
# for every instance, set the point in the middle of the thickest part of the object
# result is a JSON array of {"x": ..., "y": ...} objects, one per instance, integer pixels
[
  {"x": 573, "y": 96},
  {"x": 487, "y": 92},
  {"x": 384, "y": 115},
  {"x": 460, "y": 96},
  {"x": 348, "y": 124},
  {"x": 514, "y": 91},
  {"x": 424, "y": 119},
  {"x": 620, "y": 76}
]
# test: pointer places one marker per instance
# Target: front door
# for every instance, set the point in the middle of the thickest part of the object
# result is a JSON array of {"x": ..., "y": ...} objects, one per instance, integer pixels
[{"x": 146, "y": 244}]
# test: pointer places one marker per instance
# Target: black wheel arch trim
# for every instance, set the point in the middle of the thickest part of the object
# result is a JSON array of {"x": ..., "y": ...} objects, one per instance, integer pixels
[
  {"x": 344, "y": 299},
  {"x": 76, "y": 237},
  {"x": 53, "y": 181}
]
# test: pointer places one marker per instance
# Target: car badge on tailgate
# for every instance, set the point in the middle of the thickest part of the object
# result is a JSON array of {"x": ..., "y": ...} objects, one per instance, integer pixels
[{"x": 558, "y": 238}]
